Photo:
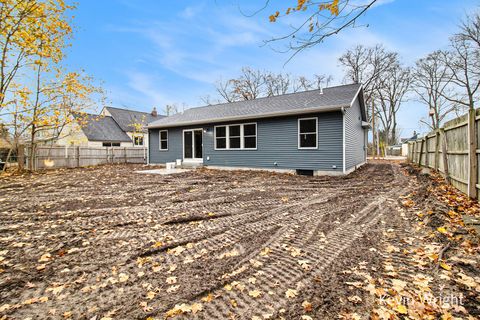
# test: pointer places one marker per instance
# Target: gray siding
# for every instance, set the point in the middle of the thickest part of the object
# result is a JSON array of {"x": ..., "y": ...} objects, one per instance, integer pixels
[
  {"x": 355, "y": 151},
  {"x": 175, "y": 145},
  {"x": 277, "y": 142}
]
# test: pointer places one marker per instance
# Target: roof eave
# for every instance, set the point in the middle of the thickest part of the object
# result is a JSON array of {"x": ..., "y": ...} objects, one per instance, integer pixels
[{"x": 250, "y": 117}]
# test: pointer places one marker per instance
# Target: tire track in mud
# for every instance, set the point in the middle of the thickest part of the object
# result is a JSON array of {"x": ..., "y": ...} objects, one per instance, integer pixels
[
  {"x": 248, "y": 225},
  {"x": 282, "y": 268}
]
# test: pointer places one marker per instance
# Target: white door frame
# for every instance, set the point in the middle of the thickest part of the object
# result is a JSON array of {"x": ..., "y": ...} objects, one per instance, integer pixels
[{"x": 193, "y": 159}]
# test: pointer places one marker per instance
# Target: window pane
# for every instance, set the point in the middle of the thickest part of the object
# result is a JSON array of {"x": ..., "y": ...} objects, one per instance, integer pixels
[
  {"x": 188, "y": 147},
  {"x": 138, "y": 141},
  {"x": 163, "y": 145},
  {"x": 221, "y": 131},
  {"x": 249, "y": 130},
  {"x": 308, "y": 126},
  {"x": 221, "y": 143},
  {"x": 308, "y": 140},
  {"x": 115, "y": 144},
  {"x": 250, "y": 142},
  {"x": 198, "y": 138},
  {"x": 234, "y": 131},
  {"x": 163, "y": 135},
  {"x": 235, "y": 143},
  {"x": 106, "y": 144}
]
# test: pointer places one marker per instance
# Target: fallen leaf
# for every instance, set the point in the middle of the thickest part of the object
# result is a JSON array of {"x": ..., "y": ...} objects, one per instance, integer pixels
[
  {"x": 445, "y": 266},
  {"x": 354, "y": 299},
  {"x": 307, "y": 306},
  {"x": 442, "y": 230},
  {"x": 255, "y": 293},
  {"x": 45, "y": 258},
  {"x": 208, "y": 298},
  {"x": 171, "y": 280},
  {"x": 265, "y": 252},
  {"x": 401, "y": 309},
  {"x": 290, "y": 293},
  {"x": 122, "y": 277}
]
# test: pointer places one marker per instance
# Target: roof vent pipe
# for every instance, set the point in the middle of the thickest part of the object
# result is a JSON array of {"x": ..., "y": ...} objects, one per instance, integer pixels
[{"x": 321, "y": 90}]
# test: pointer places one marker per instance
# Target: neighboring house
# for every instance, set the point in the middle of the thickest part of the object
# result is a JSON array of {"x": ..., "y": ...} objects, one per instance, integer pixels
[
  {"x": 133, "y": 123},
  {"x": 405, "y": 142},
  {"x": 312, "y": 132},
  {"x": 114, "y": 127}
]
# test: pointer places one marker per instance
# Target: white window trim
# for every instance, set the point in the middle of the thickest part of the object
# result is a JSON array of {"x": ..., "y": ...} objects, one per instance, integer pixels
[
  {"x": 215, "y": 137},
  {"x": 316, "y": 134},
  {"x": 160, "y": 140},
  {"x": 193, "y": 159},
  {"x": 143, "y": 140},
  {"x": 242, "y": 136}
]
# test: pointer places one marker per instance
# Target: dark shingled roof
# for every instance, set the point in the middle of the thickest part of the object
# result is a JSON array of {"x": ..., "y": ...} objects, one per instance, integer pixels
[
  {"x": 125, "y": 118},
  {"x": 100, "y": 128},
  {"x": 332, "y": 98}
]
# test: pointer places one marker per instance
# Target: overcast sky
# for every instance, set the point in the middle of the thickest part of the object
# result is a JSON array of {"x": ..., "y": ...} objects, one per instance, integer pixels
[{"x": 152, "y": 53}]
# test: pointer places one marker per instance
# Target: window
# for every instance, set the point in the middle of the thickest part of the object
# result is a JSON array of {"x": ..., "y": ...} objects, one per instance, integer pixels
[
  {"x": 307, "y": 133},
  {"x": 220, "y": 137},
  {"x": 138, "y": 141},
  {"x": 250, "y": 136},
  {"x": 234, "y": 137},
  {"x": 163, "y": 137},
  {"x": 238, "y": 136},
  {"x": 111, "y": 144}
]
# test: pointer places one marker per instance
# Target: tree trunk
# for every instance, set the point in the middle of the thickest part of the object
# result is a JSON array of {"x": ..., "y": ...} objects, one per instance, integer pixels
[
  {"x": 374, "y": 150},
  {"x": 21, "y": 157}
]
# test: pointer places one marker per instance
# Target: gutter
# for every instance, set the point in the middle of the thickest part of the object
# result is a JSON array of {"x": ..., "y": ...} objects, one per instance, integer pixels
[{"x": 249, "y": 117}]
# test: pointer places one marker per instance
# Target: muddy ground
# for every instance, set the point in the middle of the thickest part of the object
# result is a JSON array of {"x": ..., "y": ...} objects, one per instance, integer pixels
[{"x": 107, "y": 242}]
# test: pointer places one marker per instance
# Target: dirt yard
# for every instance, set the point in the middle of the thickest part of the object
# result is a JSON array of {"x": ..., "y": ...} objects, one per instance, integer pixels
[{"x": 107, "y": 243}]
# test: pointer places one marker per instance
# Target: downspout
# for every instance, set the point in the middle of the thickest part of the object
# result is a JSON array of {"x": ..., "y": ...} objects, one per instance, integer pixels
[
  {"x": 343, "y": 139},
  {"x": 148, "y": 147}
]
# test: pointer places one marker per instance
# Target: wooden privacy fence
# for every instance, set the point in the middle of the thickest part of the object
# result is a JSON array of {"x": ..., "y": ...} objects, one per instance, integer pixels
[
  {"x": 447, "y": 150},
  {"x": 53, "y": 157}
]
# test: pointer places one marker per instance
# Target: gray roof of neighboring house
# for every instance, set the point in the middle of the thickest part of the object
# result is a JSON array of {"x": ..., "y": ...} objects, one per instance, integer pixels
[
  {"x": 126, "y": 118},
  {"x": 332, "y": 98},
  {"x": 101, "y": 128}
]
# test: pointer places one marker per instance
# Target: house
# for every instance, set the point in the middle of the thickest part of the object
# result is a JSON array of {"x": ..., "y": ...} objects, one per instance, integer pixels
[
  {"x": 113, "y": 127},
  {"x": 405, "y": 142},
  {"x": 311, "y": 132}
]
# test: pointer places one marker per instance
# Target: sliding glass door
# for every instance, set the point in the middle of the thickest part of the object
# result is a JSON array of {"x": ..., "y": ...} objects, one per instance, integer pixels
[{"x": 193, "y": 145}]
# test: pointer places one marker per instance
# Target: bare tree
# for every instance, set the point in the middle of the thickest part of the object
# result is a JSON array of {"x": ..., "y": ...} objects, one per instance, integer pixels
[
  {"x": 463, "y": 61},
  {"x": 277, "y": 84},
  {"x": 431, "y": 84},
  {"x": 250, "y": 85},
  {"x": 225, "y": 91},
  {"x": 470, "y": 29},
  {"x": 253, "y": 84},
  {"x": 368, "y": 65},
  {"x": 321, "y": 81},
  {"x": 392, "y": 90},
  {"x": 301, "y": 84},
  {"x": 171, "y": 109}
]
